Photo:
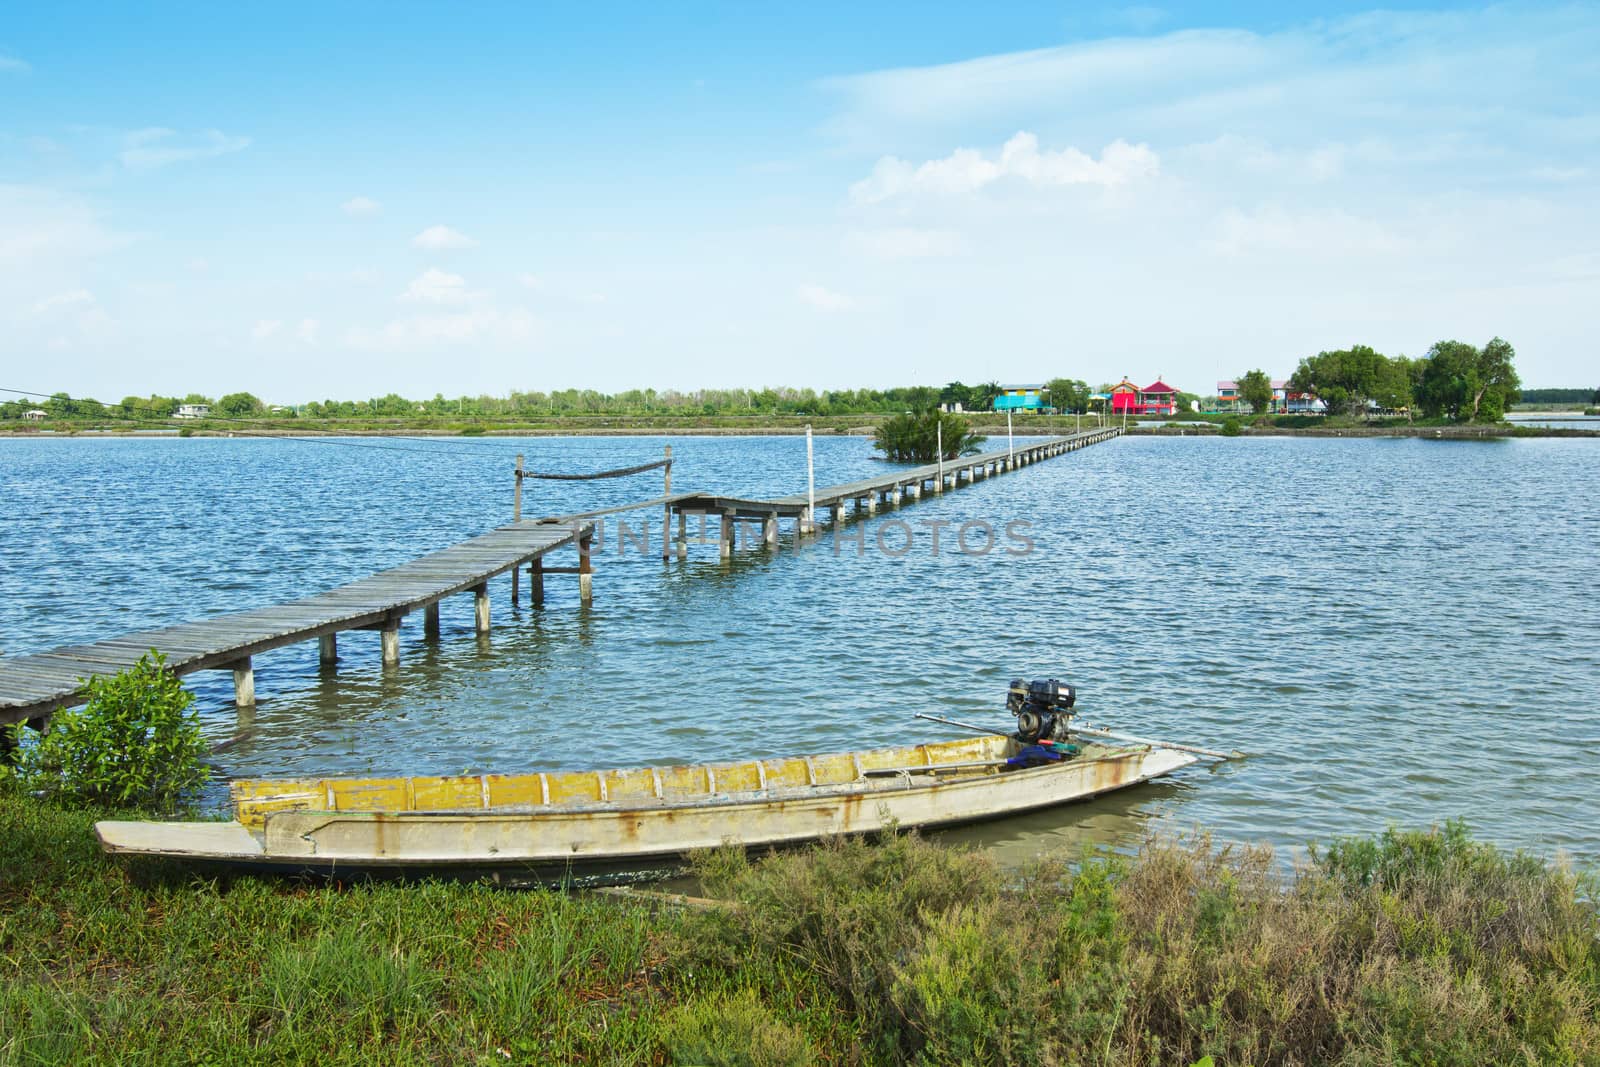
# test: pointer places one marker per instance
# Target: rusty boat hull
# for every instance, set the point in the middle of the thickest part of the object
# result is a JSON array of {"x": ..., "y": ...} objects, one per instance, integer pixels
[{"x": 622, "y": 825}]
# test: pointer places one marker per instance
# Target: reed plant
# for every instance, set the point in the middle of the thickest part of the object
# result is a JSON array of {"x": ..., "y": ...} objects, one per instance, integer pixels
[{"x": 1412, "y": 947}]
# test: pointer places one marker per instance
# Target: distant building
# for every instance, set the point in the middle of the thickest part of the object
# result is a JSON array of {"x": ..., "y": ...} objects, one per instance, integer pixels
[
  {"x": 1157, "y": 398},
  {"x": 1285, "y": 401},
  {"x": 1020, "y": 398},
  {"x": 193, "y": 411},
  {"x": 35, "y": 415}
]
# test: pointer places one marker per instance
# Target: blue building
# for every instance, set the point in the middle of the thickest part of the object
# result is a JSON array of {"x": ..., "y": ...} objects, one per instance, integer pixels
[{"x": 1020, "y": 398}]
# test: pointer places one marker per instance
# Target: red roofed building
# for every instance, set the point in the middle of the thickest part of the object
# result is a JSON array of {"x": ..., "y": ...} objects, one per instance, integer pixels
[{"x": 1158, "y": 398}]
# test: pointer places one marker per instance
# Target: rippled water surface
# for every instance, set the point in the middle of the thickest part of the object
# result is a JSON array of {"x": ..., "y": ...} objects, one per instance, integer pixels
[{"x": 1399, "y": 630}]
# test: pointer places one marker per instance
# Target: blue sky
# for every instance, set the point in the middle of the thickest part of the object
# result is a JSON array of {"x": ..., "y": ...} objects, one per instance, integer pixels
[{"x": 341, "y": 200}]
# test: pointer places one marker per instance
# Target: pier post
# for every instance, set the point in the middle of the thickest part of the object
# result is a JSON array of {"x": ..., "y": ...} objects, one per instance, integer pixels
[
  {"x": 585, "y": 568},
  {"x": 390, "y": 640},
  {"x": 769, "y": 528},
  {"x": 328, "y": 649},
  {"x": 516, "y": 499},
  {"x": 666, "y": 511},
  {"x": 516, "y": 585},
  {"x": 838, "y": 512},
  {"x": 726, "y": 537},
  {"x": 872, "y": 502},
  {"x": 536, "y": 582},
  {"x": 896, "y": 495},
  {"x": 480, "y": 608},
  {"x": 430, "y": 621},
  {"x": 244, "y": 683},
  {"x": 683, "y": 536}
]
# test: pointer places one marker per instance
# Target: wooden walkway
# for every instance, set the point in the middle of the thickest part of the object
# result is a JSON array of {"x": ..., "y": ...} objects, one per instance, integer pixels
[{"x": 32, "y": 686}]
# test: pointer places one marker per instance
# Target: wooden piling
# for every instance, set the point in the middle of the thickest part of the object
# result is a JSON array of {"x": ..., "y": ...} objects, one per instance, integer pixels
[
  {"x": 725, "y": 538},
  {"x": 430, "y": 621},
  {"x": 328, "y": 649},
  {"x": 585, "y": 569},
  {"x": 516, "y": 499},
  {"x": 536, "y": 582},
  {"x": 389, "y": 638},
  {"x": 244, "y": 683},
  {"x": 480, "y": 608},
  {"x": 666, "y": 512},
  {"x": 769, "y": 529}
]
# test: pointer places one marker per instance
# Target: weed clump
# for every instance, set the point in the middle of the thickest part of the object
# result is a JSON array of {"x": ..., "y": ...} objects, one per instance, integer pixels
[{"x": 135, "y": 743}]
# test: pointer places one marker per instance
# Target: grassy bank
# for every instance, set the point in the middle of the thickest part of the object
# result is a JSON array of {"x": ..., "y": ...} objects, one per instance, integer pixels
[
  {"x": 710, "y": 425},
  {"x": 1411, "y": 948}
]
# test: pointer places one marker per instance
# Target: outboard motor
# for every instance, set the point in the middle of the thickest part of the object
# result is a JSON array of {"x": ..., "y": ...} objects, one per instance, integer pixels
[{"x": 1042, "y": 707}]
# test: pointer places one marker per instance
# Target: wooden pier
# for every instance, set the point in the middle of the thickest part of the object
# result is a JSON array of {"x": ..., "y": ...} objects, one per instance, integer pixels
[{"x": 32, "y": 686}]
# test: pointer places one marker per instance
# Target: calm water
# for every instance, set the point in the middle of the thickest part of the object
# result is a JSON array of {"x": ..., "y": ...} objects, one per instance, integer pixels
[{"x": 1402, "y": 630}]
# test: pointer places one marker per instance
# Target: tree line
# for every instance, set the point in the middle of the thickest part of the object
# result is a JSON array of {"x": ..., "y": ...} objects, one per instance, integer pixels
[{"x": 1454, "y": 380}]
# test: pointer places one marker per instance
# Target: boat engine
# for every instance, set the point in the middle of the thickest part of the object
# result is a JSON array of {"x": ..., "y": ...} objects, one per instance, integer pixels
[{"x": 1042, "y": 707}]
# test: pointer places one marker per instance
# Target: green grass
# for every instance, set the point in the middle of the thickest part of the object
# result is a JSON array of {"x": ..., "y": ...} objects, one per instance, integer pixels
[{"x": 1414, "y": 947}]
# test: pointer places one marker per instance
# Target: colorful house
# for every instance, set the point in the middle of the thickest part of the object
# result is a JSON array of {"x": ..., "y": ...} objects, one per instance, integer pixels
[
  {"x": 1020, "y": 398},
  {"x": 1285, "y": 401},
  {"x": 1158, "y": 398},
  {"x": 1125, "y": 398}
]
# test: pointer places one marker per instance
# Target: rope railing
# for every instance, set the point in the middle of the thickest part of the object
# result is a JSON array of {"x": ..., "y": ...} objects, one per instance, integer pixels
[{"x": 621, "y": 472}]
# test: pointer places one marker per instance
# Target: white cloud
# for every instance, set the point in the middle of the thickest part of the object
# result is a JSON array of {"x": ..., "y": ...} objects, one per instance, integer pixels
[
  {"x": 478, "y": 325},
  {"x": 823, "y": 299},
  {"x": 967, "y": 170},
  {"x": 158, "y": 146},
  {"x": 42, "y": 227},
  {"x": 308, "y": 331},
  {"x": 530, "y": 281},
  {"x": 434, "y": 286},
  {"x": 264, "y": 329},
  {"x": 361, "y": 205},
  {"x": 13, "y": 65},
  {"x": 1272, "y": 228},
  {"x": 439, "y": 238},
  {"x": 63, "y": 301},
  {"x": 903, "y": 242}
]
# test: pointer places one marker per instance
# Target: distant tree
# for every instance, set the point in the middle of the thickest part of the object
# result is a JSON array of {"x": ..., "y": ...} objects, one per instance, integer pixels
[
  {"x": 1255, "y": 389},
  {"x": 956, "y": 393},
  {"x": 1344, "y": 379},
  {"x": 983, "y": 396},
  {"x": 239, "y": 406},
  {"x": 915, "y": 438},
  {"x": 1595, "y": 400},
  {"x": 1398, "y": 382},
  {"x": 1469, "y": 384},
  {"x": 1068, "y": 394},
  {"x": 195, "y": 398}
]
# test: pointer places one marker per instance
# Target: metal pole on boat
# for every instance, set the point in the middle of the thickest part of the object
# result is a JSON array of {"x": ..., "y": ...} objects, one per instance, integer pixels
[
  {"x": 964, "y": 725},
  {"x": 1011, "y": 445},
  {"x": 1115, "y": 736}
]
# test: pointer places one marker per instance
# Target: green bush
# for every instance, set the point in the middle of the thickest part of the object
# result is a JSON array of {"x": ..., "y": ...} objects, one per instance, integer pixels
[
  {"x": 916, "y": 438},
  {"x": 134, "y": 744},
  {"x": 734, "y": 1031},
  {"x": 1230, "y": 428}
]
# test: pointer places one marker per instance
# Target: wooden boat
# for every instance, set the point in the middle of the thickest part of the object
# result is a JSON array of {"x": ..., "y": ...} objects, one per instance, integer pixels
[{"x": 613, "y": 825}]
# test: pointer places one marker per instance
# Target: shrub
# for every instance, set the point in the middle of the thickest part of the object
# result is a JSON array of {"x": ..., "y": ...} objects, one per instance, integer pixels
[
  {"x": 735, "y": 1031},
  {"x": 1230, "y": 428},
  {"x": 916, "y": 438},
  {"x": 134, "y": 744}
]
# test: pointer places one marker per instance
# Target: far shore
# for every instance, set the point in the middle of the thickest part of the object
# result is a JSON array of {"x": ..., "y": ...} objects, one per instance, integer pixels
[{"x": 863, "y": 425}]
